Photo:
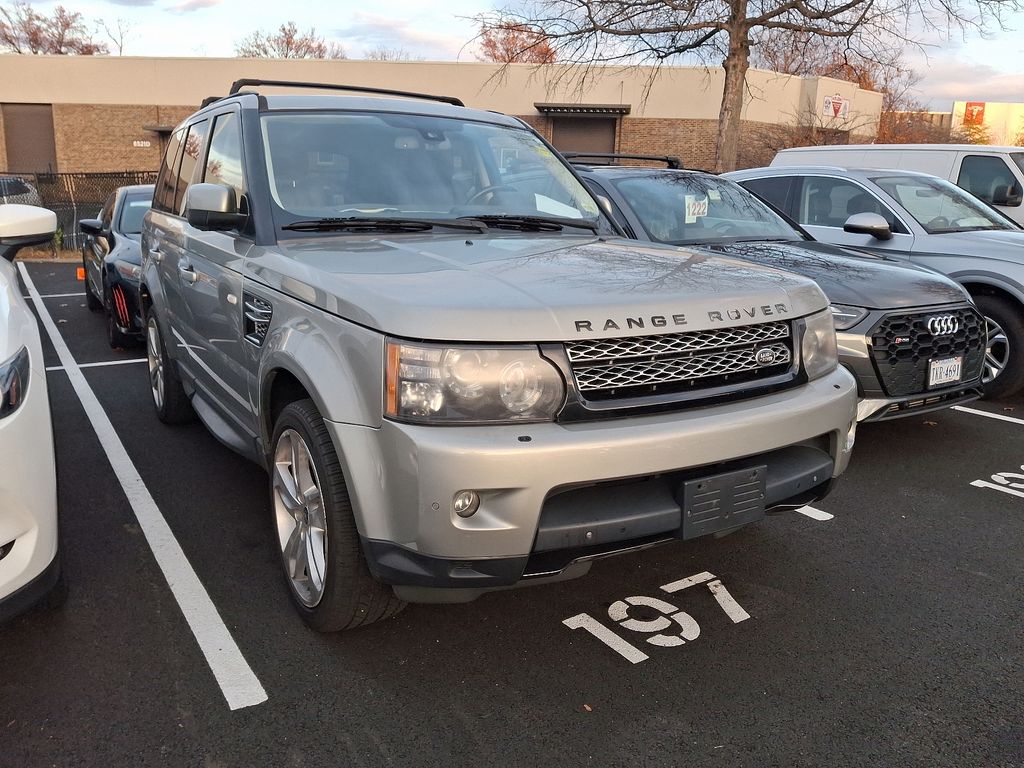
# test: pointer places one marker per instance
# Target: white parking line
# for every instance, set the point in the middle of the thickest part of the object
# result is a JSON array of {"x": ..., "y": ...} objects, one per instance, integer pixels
[
  {"x": 56, "y": 295},
  {"x": 815, "y": 514},
  {"x": 998, "y": 416},
  {"x": 100, "y": 364},
  {"x": 237, "y": 681}
]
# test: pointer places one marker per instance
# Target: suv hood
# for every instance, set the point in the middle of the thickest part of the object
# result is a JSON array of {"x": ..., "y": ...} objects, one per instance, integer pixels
[
  {"x": 850, "y": 277},
  {"x": 526, "y": 288},
  {"x": 1003, "y": 244}
]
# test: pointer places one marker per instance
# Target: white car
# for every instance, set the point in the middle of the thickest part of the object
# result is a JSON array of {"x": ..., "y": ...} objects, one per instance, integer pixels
[{"x": 29, "y": 559}]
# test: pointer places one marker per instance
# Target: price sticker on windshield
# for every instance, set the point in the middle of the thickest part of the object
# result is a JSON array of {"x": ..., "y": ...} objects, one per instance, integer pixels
[{"x": 696, "y": 207}]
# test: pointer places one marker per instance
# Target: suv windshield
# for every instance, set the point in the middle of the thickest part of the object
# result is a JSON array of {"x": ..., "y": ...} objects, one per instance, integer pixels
[
  {"x": 940, "y": 206},
  {"x": 687, "y": 208},
  {"x": 381, "y": 165}
]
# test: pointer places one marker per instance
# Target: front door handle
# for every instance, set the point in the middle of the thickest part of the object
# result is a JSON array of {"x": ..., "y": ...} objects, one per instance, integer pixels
[
  {"x": 155, "y": 255},
  {"x": 188, "y": 273}
]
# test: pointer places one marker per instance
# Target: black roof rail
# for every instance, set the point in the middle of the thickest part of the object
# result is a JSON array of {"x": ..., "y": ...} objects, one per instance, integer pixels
[
  {"x": 669, "y": 160},
  {"x": 244, "y": 83},
  {"x": 210, "y": 100}
]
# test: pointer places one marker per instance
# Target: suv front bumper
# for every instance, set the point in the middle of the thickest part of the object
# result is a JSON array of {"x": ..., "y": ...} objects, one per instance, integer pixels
[
  {"x": 859, "y": 353},
  {"x": 402, "y": 479}
]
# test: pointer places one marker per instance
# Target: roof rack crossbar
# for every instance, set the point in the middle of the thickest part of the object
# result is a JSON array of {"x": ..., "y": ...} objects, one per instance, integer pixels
[
  {"x": 244, "y": 83},
  {"x": 670, "y": 160}
]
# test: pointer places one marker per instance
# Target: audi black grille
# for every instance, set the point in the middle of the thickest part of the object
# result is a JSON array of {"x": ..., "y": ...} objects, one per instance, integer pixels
[
  {"x": 637, "y": 366},
  {"x": 902, "y": 346}
]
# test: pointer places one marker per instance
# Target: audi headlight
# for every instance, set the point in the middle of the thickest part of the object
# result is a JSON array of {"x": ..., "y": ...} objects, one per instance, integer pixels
[
  {"x": 818, "y": 349},
  {"x": 14, "y": 375},
  {"x": 845, "y": 316},
  {"x": 128, "y": 270},
  {"x": 433, "y": 383}
]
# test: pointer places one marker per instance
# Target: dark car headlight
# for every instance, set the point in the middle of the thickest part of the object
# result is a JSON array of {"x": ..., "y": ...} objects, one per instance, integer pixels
[
  {"x": 14, "y": 374},
  {"x": 845, "y": 316},
  {"x": 127, "y": 270}
]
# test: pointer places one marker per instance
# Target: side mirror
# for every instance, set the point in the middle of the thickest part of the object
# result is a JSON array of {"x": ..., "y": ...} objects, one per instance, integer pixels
[
  {"x": 868, "y": 224},
  {"x": 212, "y": 207},
  {"x": 1006, "y": 195},
  {"x": 92, "y": 227},
  {"x": 24, "y": 225}
]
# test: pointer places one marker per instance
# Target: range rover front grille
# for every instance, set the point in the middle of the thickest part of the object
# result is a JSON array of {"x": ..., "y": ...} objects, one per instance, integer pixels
[
  {"x": 902, "y": 347},
  {"x": 637, "y": 366}
]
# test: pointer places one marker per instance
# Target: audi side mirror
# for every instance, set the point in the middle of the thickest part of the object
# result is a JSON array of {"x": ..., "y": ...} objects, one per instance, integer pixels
[
  {"x": 92, "y": 227},
  {"x": 868, "y": 224},
  {"x": 22, "y": 226},
  {"x": 212, "y": 207}
]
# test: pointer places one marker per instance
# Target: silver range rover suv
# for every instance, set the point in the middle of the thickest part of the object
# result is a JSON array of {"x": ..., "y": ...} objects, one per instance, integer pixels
[{"x": 459, "y": 376}]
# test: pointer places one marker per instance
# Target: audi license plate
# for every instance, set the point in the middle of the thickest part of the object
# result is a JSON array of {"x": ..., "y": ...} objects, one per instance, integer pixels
[{"x": 945, "y": 371}]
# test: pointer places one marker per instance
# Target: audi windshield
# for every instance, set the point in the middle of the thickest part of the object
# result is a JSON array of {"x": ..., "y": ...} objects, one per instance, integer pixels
[
  {"x": 686, "y": 209},
  {"x": 940, "y": 206}
]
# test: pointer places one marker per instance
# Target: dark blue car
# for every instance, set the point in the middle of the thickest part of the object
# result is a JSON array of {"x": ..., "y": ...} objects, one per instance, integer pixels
[{"x": 112, "y": 259}]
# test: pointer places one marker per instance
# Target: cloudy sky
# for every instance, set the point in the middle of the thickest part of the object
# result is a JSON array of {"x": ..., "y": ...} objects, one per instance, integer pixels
[{"x": 974, "y": 68}]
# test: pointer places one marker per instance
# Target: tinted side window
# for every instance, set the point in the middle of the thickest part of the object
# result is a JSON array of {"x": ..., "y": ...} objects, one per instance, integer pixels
[
  {"x": 989, "y": 178},
  {"x": 163, "y": 196},
  {"x": 224, "y": 160},
  {"x": 827, "y": 202},
  {"x": 774, "y": 190},
  {"x": 189, "y": 169}
]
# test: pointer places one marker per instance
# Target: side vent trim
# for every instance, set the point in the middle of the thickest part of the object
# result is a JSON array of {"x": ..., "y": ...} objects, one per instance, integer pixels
[{"x": 258, "y": 313}]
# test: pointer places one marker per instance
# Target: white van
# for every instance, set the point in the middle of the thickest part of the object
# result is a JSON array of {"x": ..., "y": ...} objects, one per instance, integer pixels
[{"x": 995, "y": 174}]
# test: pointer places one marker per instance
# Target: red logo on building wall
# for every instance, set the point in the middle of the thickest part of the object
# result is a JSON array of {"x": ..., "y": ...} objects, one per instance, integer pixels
[{"x": 974, "y": 113}]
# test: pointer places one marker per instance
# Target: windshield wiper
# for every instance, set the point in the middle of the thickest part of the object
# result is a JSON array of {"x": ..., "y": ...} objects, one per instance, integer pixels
[
  {"x": 533, "y": 223},
  {"x": 388, "y": 224}
]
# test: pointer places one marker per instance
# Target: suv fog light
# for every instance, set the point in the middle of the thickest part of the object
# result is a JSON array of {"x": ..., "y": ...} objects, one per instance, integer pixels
[{"x": 465, "y": 503}]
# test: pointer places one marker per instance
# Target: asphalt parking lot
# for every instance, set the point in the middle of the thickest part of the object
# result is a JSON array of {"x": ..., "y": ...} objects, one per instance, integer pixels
[{"x": 885, "y": 628}]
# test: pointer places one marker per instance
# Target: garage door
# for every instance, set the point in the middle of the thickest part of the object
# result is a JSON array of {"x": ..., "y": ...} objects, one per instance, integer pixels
[
  {"x": 583, "y": 134},
  {"x": 28, "y": 132}
]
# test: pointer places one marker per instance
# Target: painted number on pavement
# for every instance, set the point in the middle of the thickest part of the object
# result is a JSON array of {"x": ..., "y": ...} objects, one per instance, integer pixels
[
  {"x": 1011, "y": 483},
  {"x": 672, "y": 628}
]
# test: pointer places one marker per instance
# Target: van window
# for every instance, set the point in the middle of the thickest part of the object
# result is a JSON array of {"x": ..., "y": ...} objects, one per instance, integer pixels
[
  {"x": 1018, "y": 158},
  {"x": 990, "y": 178}
]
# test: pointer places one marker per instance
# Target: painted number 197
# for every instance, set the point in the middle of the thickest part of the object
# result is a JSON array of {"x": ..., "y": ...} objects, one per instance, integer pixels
[{"x": 673, "y": 627}]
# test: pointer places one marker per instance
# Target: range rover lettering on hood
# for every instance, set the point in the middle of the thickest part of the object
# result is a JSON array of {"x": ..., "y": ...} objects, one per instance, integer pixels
[{"x": 678, "y": 319}]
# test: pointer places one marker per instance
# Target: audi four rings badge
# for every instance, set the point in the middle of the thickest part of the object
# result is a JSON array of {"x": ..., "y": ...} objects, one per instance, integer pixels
[{"x": 943, "y": 325}]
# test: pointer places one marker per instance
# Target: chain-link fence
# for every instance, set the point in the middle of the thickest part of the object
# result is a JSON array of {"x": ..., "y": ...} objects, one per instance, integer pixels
[{"x": 72, "y": 196}]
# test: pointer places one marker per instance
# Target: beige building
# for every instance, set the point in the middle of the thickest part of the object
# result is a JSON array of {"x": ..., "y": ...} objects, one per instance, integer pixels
[
  {"x": 1003, "y": 121},
  {"x": 102, "y": 113}
]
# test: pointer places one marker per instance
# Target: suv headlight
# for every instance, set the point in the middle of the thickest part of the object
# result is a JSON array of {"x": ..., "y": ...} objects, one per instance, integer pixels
[
  {"x": 14, "y": 375},
  {"x": 845, "y": 316},
  {"x": 818, "y": 349},
  {"x": 434, "y": 383}
]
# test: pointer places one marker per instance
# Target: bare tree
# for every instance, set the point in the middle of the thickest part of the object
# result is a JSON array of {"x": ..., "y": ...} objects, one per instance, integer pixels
[
  {"x": 721, "y": 32},
  {"x": 287, "y": 42},
  {"x": 25, "y": 30},
  {"x": 384, "y": 53},
  {"x": 514, "y": 43},
  {"x": 117, "y": 33}
]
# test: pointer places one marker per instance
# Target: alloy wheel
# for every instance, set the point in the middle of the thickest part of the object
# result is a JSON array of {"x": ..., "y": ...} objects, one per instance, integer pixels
[
  {"x": 997, "y": 351},
  {"x": 154, "y": 357},
  {"x": 300, "y": 517}
]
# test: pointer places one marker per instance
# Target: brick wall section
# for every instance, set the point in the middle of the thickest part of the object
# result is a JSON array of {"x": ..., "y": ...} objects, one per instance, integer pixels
[
  {"x": 97, "y": 138},
  {"x": 3, "y": 144},
  {"x": 540, "y": 123},
  {"x": 693, "y": 141}
]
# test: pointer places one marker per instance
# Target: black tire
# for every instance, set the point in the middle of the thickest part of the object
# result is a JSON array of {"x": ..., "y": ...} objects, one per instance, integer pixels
[
  {"x": 117, "y": 338},
  {"x": 92, "y": 301},
  {"x": 350, "y": 597},
  {"x": 172, "y": 404},
  {"x": 1008, "y": 316}
]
